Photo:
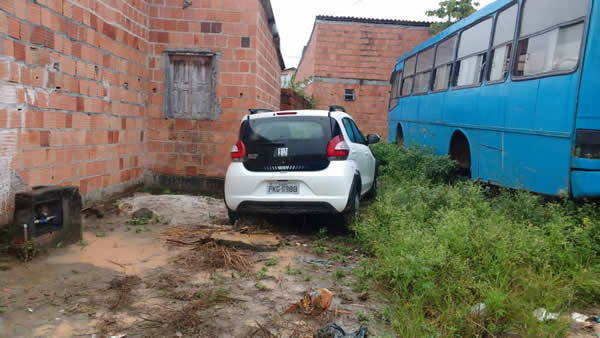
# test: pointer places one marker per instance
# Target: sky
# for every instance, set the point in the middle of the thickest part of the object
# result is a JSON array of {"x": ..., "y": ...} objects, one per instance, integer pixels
[{"x": 295, "y": 19}]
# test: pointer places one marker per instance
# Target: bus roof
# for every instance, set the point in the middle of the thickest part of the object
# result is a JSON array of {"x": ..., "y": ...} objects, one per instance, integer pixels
[{"x": 482, "y": 13}]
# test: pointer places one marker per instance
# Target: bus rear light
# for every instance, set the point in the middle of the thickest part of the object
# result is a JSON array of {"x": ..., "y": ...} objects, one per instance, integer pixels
[
  {"x": 238, "y": 152},
  {"x": 587, "y": 144},
  {"x": 337, "y": 149}
]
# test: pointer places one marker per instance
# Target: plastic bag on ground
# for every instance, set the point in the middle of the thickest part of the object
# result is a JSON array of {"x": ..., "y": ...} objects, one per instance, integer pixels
[{"x": 332, "y": 330}]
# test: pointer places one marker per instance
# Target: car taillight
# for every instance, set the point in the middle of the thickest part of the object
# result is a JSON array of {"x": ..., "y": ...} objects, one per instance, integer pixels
[
  {"x": 238, "y": 152},
  {"x": 587, "y": 144},
  {"x": 337, "y": 148}
]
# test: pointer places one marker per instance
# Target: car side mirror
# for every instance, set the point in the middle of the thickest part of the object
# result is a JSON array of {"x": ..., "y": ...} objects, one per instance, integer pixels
[{"x": 373, "y": 138}]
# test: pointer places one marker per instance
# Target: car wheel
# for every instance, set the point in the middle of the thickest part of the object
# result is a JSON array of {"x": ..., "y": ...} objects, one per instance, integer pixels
[
  {"x": 353, "y": 210},
  {"x": 233, "y": 216}
]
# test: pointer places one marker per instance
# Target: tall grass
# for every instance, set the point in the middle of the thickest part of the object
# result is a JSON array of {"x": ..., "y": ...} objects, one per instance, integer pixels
[{"x": 440, "y": 246}]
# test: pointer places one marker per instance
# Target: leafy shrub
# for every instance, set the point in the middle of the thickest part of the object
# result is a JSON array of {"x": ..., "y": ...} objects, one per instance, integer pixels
[{"x": 440, "y": 246}]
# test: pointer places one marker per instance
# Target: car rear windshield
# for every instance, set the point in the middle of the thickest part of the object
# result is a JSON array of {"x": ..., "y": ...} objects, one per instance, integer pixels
[{"x": 288, "y": 143}]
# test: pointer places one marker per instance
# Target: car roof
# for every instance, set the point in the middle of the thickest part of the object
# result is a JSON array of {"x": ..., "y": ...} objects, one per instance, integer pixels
[{"x": 302, "y": 112}]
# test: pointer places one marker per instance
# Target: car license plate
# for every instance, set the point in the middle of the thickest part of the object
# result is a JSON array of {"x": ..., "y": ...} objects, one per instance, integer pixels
[{"x": 283, "y": 188}]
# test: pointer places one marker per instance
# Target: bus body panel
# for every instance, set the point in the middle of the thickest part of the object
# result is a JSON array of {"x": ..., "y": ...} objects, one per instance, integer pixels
[
  {"x": 585, "y": 177},
  {"x": 520, "y": 132}
]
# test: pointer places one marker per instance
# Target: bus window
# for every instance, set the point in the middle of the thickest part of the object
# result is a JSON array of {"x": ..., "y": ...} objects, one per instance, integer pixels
[
  {"x": 424, "y": 65},
  {"x": 472, "y": 50},
  {"x": 503, "y": 37},
  {"x": 443, "y": 64},
  {"x": 395, "y": 92},
  {"x": 409, "y": 75},
  {"x": 550, "y": 37}
]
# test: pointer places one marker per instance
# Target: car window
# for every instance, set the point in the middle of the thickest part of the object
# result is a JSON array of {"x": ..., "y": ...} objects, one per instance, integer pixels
[
  {"x": 278, "y": 130},
  {"x": 349, "y": 130},
  {"x": 357, "y": 134}
]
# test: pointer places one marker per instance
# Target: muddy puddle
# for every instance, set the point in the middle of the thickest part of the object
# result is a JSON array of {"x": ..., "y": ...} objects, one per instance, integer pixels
[{"x": 168, "y": 279}]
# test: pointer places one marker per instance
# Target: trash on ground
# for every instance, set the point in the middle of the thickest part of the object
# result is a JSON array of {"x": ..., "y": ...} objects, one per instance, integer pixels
[
  {"x": 479, "y": 310},
  {"x": 313, "y": 303},
  {"x": 542, "y": 315},
  {"x": 578, "y": 317},
  {"x": 30, "y": 309},
  {"x": 581, "y": 321},
  {"x": 332, "y": 330}
]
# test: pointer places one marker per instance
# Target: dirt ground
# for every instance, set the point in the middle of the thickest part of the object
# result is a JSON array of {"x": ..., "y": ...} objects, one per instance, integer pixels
[{"x": 153, "y": 280}]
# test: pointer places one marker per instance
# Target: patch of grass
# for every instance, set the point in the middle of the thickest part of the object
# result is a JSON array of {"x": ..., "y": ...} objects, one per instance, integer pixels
[
  {"x": 100, "y": 234},
  {"x": 440, "y": 245},
  {"x": 139, "y": 221},
  {"x": 339, "y": 258},
  {"x": 217, "y": 278},
  {"x": 362, "y": 318},
  {"x": 320, "y": 242},
  {"x": 262, "y": 273},
  {"x": 339, "y": 274},
  {"x": 292, "y": 271},
  {"x": 307, "y": 278},
  {"x": 272, "y": 261}
]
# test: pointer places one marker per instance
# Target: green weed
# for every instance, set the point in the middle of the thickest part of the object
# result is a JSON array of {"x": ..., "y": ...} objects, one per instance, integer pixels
[
  {"x": 272, "y": 261},
  {"x": 262, "y": 273},
  {"x": 440, "y": 245},
  {"x": 339, "y": 274},
  {"x": 292, "y": 271},
  {"x": 139, "y": 221}
]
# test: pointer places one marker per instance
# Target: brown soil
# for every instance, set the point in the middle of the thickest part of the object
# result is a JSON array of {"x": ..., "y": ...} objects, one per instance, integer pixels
[{"x": 127, "y": 279}]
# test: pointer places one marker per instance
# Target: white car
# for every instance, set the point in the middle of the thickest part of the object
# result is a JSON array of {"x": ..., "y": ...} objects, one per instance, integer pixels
[{"x": 300, "y": 162}]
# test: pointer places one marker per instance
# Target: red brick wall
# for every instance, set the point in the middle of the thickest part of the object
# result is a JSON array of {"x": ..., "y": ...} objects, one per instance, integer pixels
[
  {"x": 356, "y": 51},
  {"x": 248, "y": 77},
  {"x": 63, "y": 65},
  {"x": 306, "y": 68},
  {"x": 81, "y": 90}
]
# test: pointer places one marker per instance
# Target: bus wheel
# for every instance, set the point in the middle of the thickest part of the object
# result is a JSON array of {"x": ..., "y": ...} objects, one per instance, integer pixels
[
  {"x": 460, "y": 151},
  {"x": 400, "y": 137}
]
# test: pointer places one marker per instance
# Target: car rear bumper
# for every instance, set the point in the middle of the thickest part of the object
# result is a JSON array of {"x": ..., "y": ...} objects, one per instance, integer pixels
[
  {"x": 324, "y": 191},
  {"x": 286, "y": 208}
]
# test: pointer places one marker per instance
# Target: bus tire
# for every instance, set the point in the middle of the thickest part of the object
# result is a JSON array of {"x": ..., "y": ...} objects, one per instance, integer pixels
[
  {"x": 460, "y": 152},
  {"x": 400, "y": 136}
]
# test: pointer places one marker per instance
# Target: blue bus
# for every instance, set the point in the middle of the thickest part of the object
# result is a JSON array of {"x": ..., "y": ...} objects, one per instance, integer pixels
[{"x": 511, "y": 93}]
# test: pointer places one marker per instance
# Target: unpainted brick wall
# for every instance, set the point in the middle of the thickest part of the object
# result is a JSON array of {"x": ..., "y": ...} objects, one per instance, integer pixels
[
  {"x": 358, "y": 52},
  {"x": 81, "y": 90},
  {"x": 73, "y": 80},
  {"x": 248, "y": 77}
]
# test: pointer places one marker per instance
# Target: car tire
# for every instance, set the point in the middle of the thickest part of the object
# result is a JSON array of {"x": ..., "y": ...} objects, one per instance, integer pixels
[
  {"x": 353, "y": 211},
  {"x": 233, "y": 216}
]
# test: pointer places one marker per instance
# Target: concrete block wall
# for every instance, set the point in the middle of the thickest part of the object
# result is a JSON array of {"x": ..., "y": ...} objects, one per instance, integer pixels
[
  {"x": 359, "y": 54},
  {"x": 81, "y": 90}
]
